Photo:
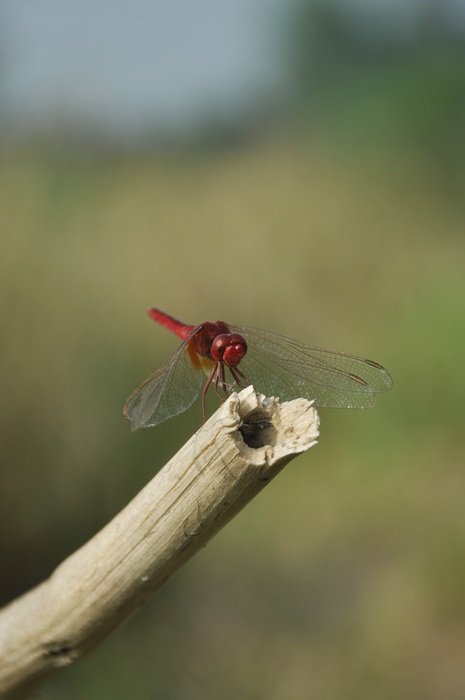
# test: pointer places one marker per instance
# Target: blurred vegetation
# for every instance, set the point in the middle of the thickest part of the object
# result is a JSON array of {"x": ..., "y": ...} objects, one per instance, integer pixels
[
  {"x": 346, "y": 578},
  {"x": 386, "y": 74}
]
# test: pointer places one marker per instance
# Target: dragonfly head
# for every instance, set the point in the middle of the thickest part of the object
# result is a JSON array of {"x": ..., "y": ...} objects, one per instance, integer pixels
[{"x": 229, "y": 348}]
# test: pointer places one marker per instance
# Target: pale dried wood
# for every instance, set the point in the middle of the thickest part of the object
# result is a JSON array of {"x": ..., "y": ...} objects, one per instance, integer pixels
[{"x": 200, "y": 489}]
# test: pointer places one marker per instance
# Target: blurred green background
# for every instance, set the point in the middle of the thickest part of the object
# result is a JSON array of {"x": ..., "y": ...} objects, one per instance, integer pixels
[{"x": 330, "y": 208}]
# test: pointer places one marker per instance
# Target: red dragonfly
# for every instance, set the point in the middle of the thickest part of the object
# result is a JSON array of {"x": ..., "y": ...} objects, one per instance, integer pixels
[{"x": 228, "y": 357}]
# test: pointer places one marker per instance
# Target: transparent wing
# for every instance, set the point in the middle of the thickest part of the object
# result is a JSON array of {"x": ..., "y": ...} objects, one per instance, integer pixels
[
  {"x": 282, "y": 367},
  {"x": 167, "y": 392}
]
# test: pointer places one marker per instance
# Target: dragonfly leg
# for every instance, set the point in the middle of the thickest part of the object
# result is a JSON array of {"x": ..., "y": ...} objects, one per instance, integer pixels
[
  {"x": 220, "y": 382},
  {"x": 239, "y": 377},
  {"x": 213, "y": 374},
  {"x": 222, "y": 388}
]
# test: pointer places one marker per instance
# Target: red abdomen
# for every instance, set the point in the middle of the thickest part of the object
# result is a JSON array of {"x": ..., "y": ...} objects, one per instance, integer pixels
[{"x": 182, "y": 330}]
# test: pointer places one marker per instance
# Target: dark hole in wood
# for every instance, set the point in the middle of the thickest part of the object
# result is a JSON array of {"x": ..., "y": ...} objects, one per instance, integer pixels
[{"x": 257, "y": 431}]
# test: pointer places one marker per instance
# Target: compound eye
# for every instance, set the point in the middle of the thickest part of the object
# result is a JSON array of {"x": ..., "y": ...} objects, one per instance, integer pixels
[
  {"x": 219, "y": 345},
  {"x": 233, "y": 355},
  {"x": 235, "y": 351},
  {"x": 238, "y": 339}
]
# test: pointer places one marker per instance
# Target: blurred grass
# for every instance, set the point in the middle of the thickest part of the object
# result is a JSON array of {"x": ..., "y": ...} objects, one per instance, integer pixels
[{"x": 345, "y": 579}]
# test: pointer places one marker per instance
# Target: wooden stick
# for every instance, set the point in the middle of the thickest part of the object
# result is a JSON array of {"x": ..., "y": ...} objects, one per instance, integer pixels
[{"x": 222, "y": 467}]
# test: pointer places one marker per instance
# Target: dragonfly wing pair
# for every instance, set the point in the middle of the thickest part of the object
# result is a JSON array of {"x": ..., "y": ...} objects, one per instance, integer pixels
[
  {"x": 169, "y": 391},
  {"x": 282, "y": 367}
]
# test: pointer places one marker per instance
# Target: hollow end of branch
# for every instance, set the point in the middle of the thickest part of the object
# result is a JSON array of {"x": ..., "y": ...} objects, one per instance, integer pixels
[{"x": 214, "y": 475}]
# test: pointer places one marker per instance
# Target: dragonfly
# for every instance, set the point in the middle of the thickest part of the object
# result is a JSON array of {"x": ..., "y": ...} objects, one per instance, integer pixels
[{"x": 225, "y": 357}]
